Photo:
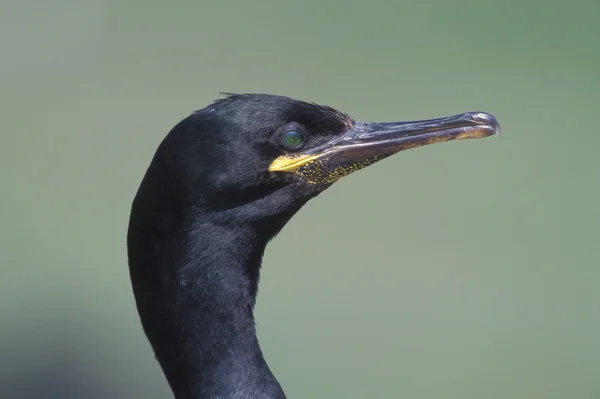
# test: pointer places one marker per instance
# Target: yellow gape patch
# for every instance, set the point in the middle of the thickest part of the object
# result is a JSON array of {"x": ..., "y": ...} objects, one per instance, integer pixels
[{"x": 286, "y": 163}]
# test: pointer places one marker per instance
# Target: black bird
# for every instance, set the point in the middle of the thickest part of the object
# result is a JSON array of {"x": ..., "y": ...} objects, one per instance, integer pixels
[{"x": 224, "y": 182}]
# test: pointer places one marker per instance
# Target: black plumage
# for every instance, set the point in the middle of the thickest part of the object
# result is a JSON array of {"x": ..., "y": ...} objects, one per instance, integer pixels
[{"x": 223, "y": 183}]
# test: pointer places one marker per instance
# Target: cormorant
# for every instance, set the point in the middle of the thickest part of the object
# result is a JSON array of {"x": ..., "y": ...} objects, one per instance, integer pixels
[{"x": 224, "y": 182}]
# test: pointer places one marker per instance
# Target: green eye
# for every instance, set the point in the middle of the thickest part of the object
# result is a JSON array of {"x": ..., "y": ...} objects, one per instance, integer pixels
[{"x": 292, "y": 139}]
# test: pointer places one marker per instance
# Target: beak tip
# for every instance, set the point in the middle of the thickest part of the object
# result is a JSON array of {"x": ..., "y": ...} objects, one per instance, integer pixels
[{"x": 483, "y": 118}]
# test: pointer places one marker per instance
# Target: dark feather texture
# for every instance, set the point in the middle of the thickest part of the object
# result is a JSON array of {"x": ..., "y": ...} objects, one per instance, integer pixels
[
  {"x": 220, "y": 186},
  {"x": 200, "y": 222}
]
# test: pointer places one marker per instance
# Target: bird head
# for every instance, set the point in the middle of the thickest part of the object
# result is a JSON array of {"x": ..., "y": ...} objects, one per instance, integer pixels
[{"x": 255, "y": 157}]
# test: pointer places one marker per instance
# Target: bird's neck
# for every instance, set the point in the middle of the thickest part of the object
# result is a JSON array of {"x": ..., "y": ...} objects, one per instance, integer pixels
[{"x": 196, "y": 299}]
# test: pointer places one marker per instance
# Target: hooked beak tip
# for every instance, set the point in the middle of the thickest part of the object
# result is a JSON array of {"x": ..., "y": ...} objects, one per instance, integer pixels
[{"x": 483, "y": 118}]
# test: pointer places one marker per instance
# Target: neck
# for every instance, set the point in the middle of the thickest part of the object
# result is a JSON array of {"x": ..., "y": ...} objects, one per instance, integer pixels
[{"x": 196, "y": 299}]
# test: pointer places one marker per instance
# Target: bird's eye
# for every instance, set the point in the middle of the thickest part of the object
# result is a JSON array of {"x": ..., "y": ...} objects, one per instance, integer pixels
[{"x": 292, "y": 139}]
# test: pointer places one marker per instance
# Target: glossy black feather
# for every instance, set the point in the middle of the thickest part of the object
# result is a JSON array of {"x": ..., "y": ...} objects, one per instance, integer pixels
[{"x": 199, "y": 225}]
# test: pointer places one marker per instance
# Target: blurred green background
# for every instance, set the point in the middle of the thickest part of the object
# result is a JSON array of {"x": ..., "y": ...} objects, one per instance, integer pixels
[{"x": 461, "y": 270}]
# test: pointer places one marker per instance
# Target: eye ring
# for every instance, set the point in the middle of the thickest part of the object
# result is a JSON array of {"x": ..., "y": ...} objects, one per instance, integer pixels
[{"x": 292, "y": 139}]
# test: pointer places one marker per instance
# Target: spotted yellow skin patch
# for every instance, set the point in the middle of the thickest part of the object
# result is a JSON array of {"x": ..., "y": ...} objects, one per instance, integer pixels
[{"x": 315, "y": 172}]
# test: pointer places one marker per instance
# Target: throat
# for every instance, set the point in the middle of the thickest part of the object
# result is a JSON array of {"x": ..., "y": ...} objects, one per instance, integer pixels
[{"x": 196, "y": 300}]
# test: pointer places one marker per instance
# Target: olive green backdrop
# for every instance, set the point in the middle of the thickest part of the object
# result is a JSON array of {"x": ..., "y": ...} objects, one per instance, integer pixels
[{"x": 461, "y": 270}]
